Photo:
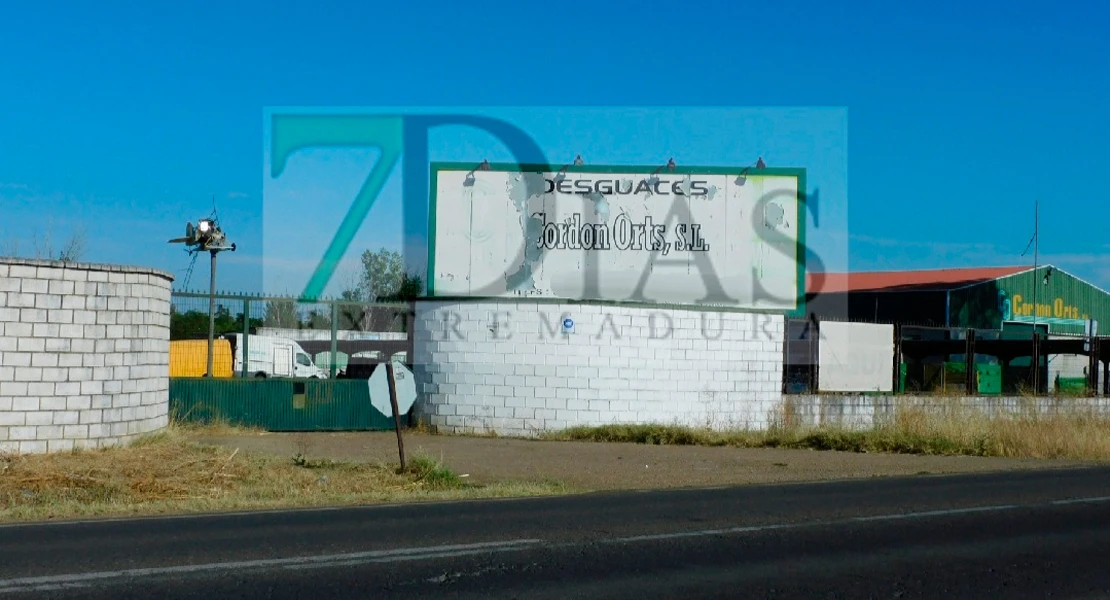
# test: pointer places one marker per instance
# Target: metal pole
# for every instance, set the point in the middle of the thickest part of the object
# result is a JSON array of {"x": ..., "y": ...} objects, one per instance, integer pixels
[
  {"x": 246, "y": 335},
  {"x": 211, "y": 312},
  {"x": 1106, "y": 377},
  {"x": 896, "y": 385},
  {"x": 786, "y": 357},
  {"x": 333, "y": 368},
  {"x": 396, "y": 416},
  {"x": 1036, "y": 346},
  {"x": 970, "y": 382},
  {"x": 1093, "y": 350}
]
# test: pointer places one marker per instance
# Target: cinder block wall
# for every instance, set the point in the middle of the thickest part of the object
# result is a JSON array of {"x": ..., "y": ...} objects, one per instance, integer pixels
[
  {"x": 508, "y": 367},
  {"x": 857, "y": 411},
  {"x": 84, "y": 354}
]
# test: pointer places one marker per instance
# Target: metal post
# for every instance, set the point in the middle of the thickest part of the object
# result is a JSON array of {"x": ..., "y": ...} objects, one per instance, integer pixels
[
  {"x": 246, "y": 334},
  {"x": 815, "y": 357},
  {"x": 969, "y": 364},
  {"x": 785, "y": 355},
  {"x": 396, "y": 416},
  {"x": 1036, "y": 337},
  {"x": 1106, "y": 377},
  {"x": 897, "y": 384},
  {"x": 334, "y": 338},
  {"x": 1036, "y": 361},
  {"x": 1093, "y": 349},
  {"x": 211, "y": 313}
]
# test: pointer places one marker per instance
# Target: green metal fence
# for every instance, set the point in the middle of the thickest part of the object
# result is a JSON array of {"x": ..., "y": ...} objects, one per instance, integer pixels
[{"x": 278, "y": 404}]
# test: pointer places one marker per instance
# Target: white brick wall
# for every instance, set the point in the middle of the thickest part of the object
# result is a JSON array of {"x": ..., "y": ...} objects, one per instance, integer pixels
[
  {"x": 852, "y": 411},
  {"x": 84, "y": 354},
  {"x": 507, "y": 367}
]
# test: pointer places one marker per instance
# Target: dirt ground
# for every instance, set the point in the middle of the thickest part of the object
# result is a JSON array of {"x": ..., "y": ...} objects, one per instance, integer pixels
[{"x": 591, "y": 466}]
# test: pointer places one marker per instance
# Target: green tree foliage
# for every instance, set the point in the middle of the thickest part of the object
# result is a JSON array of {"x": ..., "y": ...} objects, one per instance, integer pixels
[
  {"x": 282, "y": 313},
  {"x": 318, "y": 319},
  {"x": 383, "y": 280},
  {"x": 193, "y": 324}
]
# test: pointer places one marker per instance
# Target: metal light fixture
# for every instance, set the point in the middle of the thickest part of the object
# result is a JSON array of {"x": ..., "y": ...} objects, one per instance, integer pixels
[
  {"x": 742, "y": 178},
  {"x": 670, "y": 166},
  {"x": 207, "y": 237},
  {"x": 483, "y": 166}
]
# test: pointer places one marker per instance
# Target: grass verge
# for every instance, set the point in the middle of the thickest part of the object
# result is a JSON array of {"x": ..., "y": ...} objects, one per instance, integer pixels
[
  {"x": 1040, "y": 436},
  {"x": 169, "y": 473}
]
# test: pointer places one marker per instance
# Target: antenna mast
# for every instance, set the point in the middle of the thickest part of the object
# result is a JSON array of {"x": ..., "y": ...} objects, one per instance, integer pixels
[{"x": 1036, "y": 307}]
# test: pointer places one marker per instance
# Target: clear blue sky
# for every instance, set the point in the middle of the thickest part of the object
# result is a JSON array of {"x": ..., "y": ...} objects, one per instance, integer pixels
[
  {"x": 321, "y": 183},
  {"x": 128, "y": 117}
]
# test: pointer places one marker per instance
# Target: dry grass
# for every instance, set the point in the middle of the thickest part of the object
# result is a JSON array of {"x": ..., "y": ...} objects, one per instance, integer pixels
[
  {"x": 168, "y": 473},
  {"x": 949, "y": 431}
]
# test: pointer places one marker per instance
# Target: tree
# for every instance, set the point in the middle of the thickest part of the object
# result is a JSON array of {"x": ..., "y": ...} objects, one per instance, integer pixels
[
  {"x": 193, "y": 324},
  {"x": 410, "y": 288},
  {"x": 382, "y": 279},
  {"x": 318, "y": 319},
  {"x": 72, "y": 248},
  {"x": 282, "y": 314},
  {"x": 382, "y": 274}
]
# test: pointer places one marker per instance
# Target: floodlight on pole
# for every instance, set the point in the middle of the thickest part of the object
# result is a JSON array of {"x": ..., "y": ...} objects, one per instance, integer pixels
[{"x": 207, "y": 237}]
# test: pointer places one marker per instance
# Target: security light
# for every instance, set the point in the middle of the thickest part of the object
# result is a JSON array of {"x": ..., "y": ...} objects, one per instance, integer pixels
[{"x": 207, "y": 237}]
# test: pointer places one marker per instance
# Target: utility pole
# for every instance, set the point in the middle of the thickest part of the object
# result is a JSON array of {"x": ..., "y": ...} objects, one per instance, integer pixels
[
  {"x": 1035, "y": 358},
  {"x": 1036, "y": 307},
  {"x": 207, "y": 236},
  {"x": 211, "y": 313}
]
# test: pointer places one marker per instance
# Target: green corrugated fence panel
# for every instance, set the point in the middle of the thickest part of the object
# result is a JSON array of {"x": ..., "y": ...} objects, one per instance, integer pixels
[{"x": 278, "y": 404}]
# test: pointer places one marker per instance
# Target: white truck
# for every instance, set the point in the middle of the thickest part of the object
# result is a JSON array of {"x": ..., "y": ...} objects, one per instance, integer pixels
[{"x": 271, "y": 356}]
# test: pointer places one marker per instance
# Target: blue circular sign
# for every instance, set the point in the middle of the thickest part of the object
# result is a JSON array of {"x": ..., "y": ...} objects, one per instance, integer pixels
[{"x": 567, "y": 323}]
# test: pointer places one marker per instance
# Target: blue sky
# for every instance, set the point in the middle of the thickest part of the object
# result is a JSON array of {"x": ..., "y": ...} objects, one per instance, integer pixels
[
  {"x": 328, "y": 179},
  {"x": 127, "y": 118}
]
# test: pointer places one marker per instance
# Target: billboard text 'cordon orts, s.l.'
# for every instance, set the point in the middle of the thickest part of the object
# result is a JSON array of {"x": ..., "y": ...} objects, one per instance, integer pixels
[{"x": 721, "y": 237}]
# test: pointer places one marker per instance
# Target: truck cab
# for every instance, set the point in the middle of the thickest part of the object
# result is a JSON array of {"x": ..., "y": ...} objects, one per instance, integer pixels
[{"x": 304, "y": 367}]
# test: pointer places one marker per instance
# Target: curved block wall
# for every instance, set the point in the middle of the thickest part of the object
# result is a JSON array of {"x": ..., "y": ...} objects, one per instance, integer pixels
[
  {"x": 510, "y": 368},
  {"x": 84, "y": 354}
]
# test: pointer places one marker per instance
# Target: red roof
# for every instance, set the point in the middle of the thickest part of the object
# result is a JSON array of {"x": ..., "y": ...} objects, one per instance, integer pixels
[{"x": 936, "y": 279}]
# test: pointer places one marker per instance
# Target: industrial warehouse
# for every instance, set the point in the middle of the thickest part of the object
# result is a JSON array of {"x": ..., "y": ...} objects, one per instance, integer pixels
[{"x": 999, "y": 308}]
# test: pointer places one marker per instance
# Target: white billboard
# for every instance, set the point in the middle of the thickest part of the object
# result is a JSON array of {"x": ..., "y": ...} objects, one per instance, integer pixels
[
  {"x": 856, "y": 357},
  {"x": 705, "y": 236}
]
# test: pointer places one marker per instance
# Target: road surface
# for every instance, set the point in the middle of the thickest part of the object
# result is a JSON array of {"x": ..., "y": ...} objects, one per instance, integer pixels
[{"x": 1011, "y": 535}]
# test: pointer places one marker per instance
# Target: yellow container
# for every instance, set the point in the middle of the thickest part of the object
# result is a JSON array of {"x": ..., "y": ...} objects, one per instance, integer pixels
[{"x": 189, "y": 358}]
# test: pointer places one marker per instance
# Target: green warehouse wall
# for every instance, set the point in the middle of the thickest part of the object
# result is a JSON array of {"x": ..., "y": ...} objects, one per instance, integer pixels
[{"x": 1063, "y": 303}]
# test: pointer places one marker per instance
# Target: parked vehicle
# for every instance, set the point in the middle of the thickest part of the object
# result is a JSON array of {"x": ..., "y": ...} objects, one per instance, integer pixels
[
  {"x": 270, "y": 356},
  {"x": 189, "y": 358}
]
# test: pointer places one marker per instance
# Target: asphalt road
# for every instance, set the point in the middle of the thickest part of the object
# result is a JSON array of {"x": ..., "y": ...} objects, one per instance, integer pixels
[{"x": 1012, "y": 535}]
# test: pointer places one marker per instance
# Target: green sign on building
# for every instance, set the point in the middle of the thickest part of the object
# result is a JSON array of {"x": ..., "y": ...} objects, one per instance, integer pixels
[{"x": 1047, "y": 298}]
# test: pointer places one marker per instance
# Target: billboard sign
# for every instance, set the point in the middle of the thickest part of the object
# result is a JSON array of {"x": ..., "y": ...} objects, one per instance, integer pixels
[{"x": 712, "y": 236}]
